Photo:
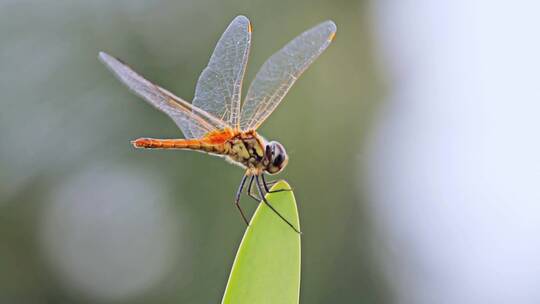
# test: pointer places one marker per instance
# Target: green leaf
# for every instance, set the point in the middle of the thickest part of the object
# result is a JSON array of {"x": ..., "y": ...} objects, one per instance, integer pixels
[{"x": 267, "y": 265}]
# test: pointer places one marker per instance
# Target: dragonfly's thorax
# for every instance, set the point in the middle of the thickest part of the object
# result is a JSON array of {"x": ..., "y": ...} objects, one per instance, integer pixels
[
  {"x": 251, "y": 151},
  {"x": 246, "y": 149}
]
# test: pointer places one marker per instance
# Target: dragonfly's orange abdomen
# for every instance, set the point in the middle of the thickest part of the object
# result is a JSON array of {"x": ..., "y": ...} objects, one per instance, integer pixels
[
  {"x": 244, "y": 148},
  {"x": 192, "y": 144},
  {"x": 213, "y": 142}
]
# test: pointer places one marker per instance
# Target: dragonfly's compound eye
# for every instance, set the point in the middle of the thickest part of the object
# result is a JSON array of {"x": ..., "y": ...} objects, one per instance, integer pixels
[
  {"x": 276, "y": 154},
  {"x": 269, "y": 152}
]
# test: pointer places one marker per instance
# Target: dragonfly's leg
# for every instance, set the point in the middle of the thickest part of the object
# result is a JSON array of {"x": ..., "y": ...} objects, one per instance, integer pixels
[
  {"x": 237, "y": 199},
  {"x": 254, "y": 195},
  {"x": 267, "y": 184},
  {"x": 271, "y": 183},
  {"x": 260, "y": 188},
  {"x": 250, "y": 190}
]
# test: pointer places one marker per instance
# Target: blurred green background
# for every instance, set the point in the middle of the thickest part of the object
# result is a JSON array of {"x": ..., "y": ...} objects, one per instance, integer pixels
[{"x": 85, "y": 218}]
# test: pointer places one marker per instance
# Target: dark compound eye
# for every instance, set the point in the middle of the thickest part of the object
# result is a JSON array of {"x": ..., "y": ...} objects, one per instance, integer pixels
[
  {"x": 269, "y": 152},
  {"x": 278, "y": 160},
  {"x": 277, "y": 157}
]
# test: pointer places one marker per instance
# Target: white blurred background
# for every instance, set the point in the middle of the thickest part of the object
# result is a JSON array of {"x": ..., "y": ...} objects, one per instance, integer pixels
[{"x": 454, "y": 167}]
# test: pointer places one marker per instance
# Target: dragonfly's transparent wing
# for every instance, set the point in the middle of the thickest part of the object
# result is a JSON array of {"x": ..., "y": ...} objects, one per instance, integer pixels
[
  {"x": 220, "y": 84},
  {"x": 280, "y": 71},
  {"x": 188, "y": 120}
]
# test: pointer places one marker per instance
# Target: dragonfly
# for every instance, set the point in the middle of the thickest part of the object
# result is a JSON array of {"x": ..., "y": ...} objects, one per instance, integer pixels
[{"x": 216, "y": 121}]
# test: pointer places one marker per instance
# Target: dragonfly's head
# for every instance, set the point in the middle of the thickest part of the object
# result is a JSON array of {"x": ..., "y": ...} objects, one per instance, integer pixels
[{"x": 276, "y": 157}]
